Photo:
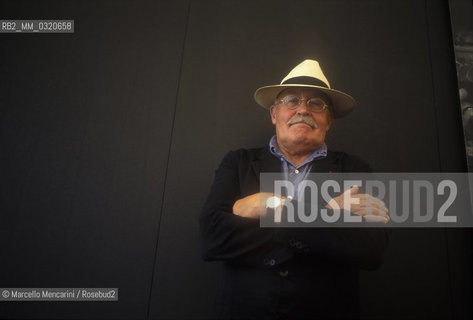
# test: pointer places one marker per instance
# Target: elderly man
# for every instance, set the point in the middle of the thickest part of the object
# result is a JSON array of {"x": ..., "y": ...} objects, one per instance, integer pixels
[{"x": 293, "y": 273}]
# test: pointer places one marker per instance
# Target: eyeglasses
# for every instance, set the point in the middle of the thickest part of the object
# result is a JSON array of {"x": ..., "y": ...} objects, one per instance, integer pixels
[{"x": 313, "y": 104}]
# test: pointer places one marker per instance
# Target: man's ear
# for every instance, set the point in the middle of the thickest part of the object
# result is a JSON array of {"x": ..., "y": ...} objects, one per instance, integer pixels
[{"x": 272, "y": 112}]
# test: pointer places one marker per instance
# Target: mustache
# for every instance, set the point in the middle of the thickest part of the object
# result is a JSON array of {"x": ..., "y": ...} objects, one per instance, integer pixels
[{"x": 302, "y": 118}]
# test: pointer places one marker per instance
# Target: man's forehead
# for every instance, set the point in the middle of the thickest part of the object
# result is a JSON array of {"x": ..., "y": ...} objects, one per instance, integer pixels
[{"x": 301, "y": 91}]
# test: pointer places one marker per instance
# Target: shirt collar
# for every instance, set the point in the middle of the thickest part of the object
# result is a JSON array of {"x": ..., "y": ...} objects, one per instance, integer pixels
[{"x": 274, "y": 148}]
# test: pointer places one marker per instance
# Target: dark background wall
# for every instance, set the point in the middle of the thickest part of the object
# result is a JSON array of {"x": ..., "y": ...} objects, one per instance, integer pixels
[{"x": 109, "y": 138}]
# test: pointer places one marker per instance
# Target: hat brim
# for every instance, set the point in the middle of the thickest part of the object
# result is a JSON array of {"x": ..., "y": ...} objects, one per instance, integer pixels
[{"x": 342, "y": 103}]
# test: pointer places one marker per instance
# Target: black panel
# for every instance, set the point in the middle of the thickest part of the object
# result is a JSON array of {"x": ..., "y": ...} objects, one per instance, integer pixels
[{"x": 85, "y": 125}]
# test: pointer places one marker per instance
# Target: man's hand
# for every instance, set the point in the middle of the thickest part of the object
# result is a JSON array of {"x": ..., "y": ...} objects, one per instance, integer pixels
[
  {"x": 252, "y": 206},
  {"x": 369, "y": 207}
]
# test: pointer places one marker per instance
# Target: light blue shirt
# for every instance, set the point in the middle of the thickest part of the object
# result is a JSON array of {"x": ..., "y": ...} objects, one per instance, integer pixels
[{"x": 296, "y": 174}]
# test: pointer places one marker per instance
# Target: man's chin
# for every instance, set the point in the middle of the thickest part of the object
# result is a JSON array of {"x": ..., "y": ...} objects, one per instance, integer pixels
[{"x": 303, "y": 140}]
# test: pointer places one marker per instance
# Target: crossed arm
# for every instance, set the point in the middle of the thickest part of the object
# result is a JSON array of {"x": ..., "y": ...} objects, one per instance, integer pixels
[
  {"x": 367, "y": 206},
  {"x": 230, "y": 231}
]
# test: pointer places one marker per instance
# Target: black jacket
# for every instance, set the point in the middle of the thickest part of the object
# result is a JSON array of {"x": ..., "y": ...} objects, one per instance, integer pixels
[{"x": 275, "y": 273}]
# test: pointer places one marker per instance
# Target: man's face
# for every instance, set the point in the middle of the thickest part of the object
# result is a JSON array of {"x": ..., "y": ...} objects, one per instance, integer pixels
[{"x": 300, "y": 136}]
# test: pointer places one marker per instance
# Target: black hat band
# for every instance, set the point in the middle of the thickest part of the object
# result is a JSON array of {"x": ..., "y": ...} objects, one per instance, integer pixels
[{"x": 306, "y": 80}]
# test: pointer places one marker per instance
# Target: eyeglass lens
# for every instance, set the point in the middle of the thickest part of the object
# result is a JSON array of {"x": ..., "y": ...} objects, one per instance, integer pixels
[{"x": 314, "y": 104}]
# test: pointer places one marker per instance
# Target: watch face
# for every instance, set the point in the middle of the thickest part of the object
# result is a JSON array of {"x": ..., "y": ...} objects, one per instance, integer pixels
[{"x": 273, "y": 202}]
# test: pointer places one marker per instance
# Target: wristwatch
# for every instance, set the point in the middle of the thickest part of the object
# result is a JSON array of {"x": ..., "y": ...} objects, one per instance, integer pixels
[{"x": 273, "y": 202}]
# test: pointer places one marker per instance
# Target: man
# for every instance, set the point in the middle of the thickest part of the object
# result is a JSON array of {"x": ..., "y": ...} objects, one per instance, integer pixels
[{"x": 293, "y": 273}]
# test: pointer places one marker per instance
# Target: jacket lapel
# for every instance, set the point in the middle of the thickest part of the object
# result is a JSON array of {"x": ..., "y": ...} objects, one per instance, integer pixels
[
  {"x": 327, "y": 164},
  {"x": 265, "y": 162}
]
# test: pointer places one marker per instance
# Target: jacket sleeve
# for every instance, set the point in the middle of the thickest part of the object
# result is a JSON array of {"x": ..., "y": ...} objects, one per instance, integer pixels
[{"x": 228, "y": 237}]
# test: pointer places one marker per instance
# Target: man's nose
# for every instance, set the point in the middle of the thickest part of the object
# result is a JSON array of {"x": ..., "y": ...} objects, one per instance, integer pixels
[{"x": 302, "y": 107}]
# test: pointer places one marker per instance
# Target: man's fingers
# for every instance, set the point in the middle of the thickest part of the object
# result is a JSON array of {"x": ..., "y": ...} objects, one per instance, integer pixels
[
  {"x": 366, "y": 204},
  {"x": 369, "y": 211},
  {"x": 369, "y": 206},
  {"x": 383, "y": 212},
  {"x": 366, "y": 198},
  {"x": 371, "y": 218}
]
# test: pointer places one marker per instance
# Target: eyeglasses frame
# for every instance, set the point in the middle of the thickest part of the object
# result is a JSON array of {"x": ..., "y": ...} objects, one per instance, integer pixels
[{"x": 300, "y": 102}]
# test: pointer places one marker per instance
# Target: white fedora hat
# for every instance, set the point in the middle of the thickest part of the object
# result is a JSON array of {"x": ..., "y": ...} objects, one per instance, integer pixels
[{"x": 307, "y": 74}]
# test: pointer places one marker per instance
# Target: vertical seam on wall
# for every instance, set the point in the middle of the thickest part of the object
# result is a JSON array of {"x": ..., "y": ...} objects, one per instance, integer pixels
[
  {"x": 450, "y": 296},
  {"x": 158, "y": 229},
  {"x": 432, "y": 84}
]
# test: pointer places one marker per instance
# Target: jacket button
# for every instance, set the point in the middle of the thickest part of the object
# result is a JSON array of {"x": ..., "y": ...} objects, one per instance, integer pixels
[
  {"x": 269, "y": 262},
  {"x": 292, "y": 242},
  {"x": 299, "y": 245},
  {"x": 284, "y": 273}
]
